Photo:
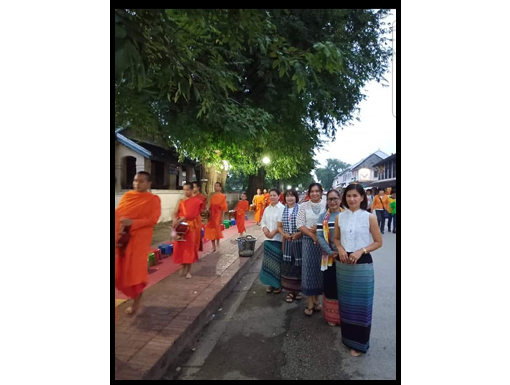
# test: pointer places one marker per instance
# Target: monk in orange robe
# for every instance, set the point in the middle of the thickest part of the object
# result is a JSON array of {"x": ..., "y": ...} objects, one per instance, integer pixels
[
  {"x": 217, "y": 207},
  {"x": 186, "y": 252},
  {"x": 266, "y": 196},
  {"x": 138, "y": 211},
  {"x": 241, "y": 209},
  {"x": 203, "y": 199},
  {"x": 258, "y": 201}
]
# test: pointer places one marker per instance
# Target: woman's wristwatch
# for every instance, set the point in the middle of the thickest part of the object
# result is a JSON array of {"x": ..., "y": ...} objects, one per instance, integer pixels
[{"x": 365, "y": 251}]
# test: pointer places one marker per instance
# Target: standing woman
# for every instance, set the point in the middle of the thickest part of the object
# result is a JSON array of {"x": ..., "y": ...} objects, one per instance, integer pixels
[
  {"x": 271, "y": 265},
  {"x": 292, "y": 247},
  {"x": 258, "y": 201},
  {"x": 325, "y": 234},
  {"x": 217, "y": 207},
  {"x": 307, "y": 218},
  {"x": 354, "y": 229}
]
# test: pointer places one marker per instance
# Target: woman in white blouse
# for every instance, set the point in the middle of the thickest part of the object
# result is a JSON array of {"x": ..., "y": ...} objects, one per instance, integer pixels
[
  {"x": 270, "y": 274},
  {"x": 311, "y": 282},
  {"x": 357, "y": 233}
]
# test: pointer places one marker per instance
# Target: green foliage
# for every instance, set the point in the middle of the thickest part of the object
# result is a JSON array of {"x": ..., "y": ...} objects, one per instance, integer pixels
[
  {"x": 242, "y": 84},
  {"x": 236, "y": 181},
  {"x": 327, "y": 174}
]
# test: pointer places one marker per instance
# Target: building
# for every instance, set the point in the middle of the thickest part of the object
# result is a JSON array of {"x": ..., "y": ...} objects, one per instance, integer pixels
[
  {"x": 360, "y": 172},
  {"x": 386, "y": 173},
  {"x": 134, "y": 154}
]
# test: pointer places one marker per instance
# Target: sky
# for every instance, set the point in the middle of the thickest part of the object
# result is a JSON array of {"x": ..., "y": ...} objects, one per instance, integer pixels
[{"x": 376, "y": 130}]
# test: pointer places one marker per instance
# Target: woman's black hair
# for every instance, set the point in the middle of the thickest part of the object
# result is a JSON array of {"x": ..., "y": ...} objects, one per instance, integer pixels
[
  {"x": 293, "y": 193},
  {"x": 329, "y": 192},
  {"x": 275, "y": 190},
  {"x": 360, "y": 190},
  {"x": 313, "y": 185}
]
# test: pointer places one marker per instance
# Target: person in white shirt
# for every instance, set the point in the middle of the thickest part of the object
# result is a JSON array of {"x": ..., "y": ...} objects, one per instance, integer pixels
[
  {"x": 270, "y": 274},
  {"x": 370, "y": 198},
  {"x": 357, "y": 233}
]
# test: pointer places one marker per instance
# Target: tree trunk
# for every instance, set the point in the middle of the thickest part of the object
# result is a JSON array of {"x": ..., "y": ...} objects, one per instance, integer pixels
[
  {"x": 224, "y": 180},
  {"x": 255, "y": 182}
]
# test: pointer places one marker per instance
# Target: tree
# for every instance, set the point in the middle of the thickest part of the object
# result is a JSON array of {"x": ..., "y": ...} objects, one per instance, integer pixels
[
  {"x": 327, "y": 174},
  {"x": 236, "y": 85},
  {"x": 236, "y": 181}
]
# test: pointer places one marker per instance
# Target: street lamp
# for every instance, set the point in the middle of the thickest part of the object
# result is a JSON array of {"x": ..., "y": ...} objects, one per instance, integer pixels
[{"x": 265, "y": 160}]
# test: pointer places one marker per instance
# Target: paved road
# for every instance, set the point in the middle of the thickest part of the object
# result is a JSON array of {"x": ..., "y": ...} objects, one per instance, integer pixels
[{"x": 258, "y": 336}]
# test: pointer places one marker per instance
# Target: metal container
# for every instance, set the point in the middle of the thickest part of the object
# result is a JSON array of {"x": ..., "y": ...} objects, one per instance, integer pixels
[{"x": 246, "y": 246}]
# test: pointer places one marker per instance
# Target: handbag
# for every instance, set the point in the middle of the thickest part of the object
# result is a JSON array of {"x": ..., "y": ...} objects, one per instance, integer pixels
[{"x": 386, "y": 213}]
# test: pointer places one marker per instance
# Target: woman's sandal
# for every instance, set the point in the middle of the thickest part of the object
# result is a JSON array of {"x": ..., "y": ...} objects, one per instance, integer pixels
[
  {"x": 269, "y": 290},
  {"x": 290, "y": 298},
  {"x": 277, "y": 291},
  {"x": 310, "y": 311},
  {"x": 299, "y": 296}
]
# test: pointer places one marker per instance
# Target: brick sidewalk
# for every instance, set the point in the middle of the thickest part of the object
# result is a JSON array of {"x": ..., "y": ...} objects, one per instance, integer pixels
[{"x": 174, "y": 310}]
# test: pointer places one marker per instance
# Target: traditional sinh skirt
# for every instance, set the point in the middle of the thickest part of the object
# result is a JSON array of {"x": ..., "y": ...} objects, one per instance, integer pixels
[
  {"x": 330, "y": 299},
  {"x": 291, "y": 274},
  {"x": 311, "y": 275},
  {"x": 271, "y": 265},
  {"x": 355, "y": 284}
]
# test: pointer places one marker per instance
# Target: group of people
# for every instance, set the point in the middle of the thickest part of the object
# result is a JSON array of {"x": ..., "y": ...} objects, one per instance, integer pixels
[
  {"x": 384, "y": 206},
  {"x": 137, "y": 213},
  {"x": 322, "y": 248},
  {"x": 316, "y": 248}
]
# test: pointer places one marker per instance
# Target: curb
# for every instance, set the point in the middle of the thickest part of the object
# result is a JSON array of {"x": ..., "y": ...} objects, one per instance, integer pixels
[{"x": 168, "y": 350}]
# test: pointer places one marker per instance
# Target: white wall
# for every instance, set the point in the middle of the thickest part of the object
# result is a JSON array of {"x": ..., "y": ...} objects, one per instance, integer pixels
[{"x": 170, "y": 198}]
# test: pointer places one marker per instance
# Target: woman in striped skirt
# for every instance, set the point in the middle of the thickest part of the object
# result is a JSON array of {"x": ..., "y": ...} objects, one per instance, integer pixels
[
  {"x": 292, "y": 245},
  {"x": 325, "y": 233},
  {"x": 311, "y": 283},
  {"x": 354, "y": 230}
]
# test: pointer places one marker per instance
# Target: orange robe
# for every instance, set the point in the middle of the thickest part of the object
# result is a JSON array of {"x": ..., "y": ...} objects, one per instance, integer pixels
[
  {"x": 186, "y": 251},
  {"x": 242, "y": 208},
  {"x": 213, "y": 227},
  {"x": 131, "y": 269},
  {"x": 198, "y": 242},
  {"x": 259, "y": 207}
]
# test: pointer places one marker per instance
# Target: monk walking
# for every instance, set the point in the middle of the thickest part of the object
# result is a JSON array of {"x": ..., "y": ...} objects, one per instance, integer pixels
[
  {"x": 186, "y": 252},
  {"x": 217, "y": 207},
  {"x": 203, "y": 199},
  {"x": 258, "y": 201},
  {"x": 138, "y": 211},
  {"x": 241, "y": 209}
]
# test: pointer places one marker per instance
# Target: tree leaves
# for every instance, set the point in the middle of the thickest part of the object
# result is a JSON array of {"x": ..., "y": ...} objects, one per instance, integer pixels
[{"x": 246, "y": 81}]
